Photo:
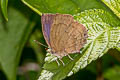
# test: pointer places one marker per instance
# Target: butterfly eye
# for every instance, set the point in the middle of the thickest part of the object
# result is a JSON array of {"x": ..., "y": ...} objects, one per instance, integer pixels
[{"x": 85, "y": 35}]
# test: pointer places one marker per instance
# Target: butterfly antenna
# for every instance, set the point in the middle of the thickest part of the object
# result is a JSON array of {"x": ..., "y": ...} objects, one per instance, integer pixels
[{"x": 40, "y": 43}]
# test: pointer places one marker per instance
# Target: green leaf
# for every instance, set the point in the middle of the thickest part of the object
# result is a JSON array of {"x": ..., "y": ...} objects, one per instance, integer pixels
[
  {"x": 4, "y": 4},
  {"x": 62, "y": 6},
  {"x": 13, "y": 35},
  {"x": 103, "y": 35},
  {"x": 114, "y": 5}
]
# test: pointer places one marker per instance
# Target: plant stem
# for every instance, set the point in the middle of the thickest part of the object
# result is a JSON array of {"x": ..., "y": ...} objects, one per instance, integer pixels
[{"x": 99, "y": 69}]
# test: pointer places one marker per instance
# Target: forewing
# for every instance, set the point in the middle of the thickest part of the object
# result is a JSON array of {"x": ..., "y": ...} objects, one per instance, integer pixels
[{"x": 47, "y": 21}]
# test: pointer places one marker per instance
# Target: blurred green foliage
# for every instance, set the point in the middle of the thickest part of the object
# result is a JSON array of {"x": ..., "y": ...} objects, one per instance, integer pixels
[{"x": 22, "y": 59}]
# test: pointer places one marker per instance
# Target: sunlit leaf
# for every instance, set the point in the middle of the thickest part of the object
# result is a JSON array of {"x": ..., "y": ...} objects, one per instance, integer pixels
[
  {"x": 114, "y": 5},
  {"x": 62, "y": 6},
  {"x": 101, "y": 31}
]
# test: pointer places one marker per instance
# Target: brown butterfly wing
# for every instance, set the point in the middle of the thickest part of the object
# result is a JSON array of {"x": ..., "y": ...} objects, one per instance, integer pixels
[
  {"x": 59, "y": 26},
  {"x": 66, "y": 35},
  {"x": 77, "y": 37}
]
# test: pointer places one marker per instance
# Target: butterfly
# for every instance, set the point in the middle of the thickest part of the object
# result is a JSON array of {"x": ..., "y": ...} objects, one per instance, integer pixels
[{"x": 63, "y": 34}]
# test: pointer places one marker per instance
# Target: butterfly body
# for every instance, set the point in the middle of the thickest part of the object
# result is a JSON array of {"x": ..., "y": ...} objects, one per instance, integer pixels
[{"x": 63, "y": 34}]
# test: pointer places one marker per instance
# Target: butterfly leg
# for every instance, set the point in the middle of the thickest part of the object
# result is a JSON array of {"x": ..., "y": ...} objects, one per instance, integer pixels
[
  {"x": 70, "y": 57},
  {"x": 80, "y": 52},
  {"x": 62, "y": 61},
  {"x": 57, "y": 62}
]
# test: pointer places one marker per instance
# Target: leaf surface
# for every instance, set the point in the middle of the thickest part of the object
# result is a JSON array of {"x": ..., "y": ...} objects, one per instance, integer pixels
[
  {"x": 103, "y": 35},
  {"x": 114, "y": 5}
]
